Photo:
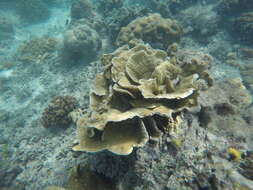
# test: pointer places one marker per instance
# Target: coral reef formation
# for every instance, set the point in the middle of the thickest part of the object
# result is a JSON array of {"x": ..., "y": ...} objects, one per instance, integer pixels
[
  {"x": 153, "y": 29},
  {"x": 82, "y": 178},
  {"x": 117, "y": 18},
  {"x": 163, "y": 166},
  {"x": 32, "y": 11},
  {"x": 246, "y": 69},
  {"x": 228, "y": 100},
  {"x": 81, "y": 9},
  {"x": 6, "y": 29},
  {"x": 247, "y": 73},
  {"x": 36, "y": 49},
  {"x": 54, "y": 188},
  {"x": 192, "y": 137},
  {"x": 166, "y": 7},
  {"x": 106, "y": 6},
  {"x": 234, "y": 154},
  {"x": 231, "y": 7},
  {"x": 236, "y": 18},
  {"x": 243, "y": 26},
  {"x": 56, "y": 114},
  {"x": 81, "y": 42},
  {"x": 202, "y": 24},
  {"x": 138, "y": 96}
]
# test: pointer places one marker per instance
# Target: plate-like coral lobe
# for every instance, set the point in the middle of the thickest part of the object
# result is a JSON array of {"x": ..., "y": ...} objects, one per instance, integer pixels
[{"x": 139, "y": 95}]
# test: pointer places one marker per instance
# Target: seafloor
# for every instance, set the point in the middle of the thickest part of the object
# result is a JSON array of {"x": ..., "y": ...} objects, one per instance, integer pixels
[{"x": 50, "y": 54}]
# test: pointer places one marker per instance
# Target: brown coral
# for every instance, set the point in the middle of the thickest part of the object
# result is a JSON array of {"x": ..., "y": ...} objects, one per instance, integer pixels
[
  {"x": 153, "y": 29},
  {"x": 56, "y": 114},
  {"x": 138, "y": 96}
]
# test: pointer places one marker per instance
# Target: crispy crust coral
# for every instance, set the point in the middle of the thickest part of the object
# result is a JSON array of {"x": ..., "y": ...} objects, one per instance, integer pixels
[{"x": 138, "y": 97}]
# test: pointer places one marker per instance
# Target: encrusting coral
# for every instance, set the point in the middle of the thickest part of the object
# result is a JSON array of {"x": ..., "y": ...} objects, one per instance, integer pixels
[
  {"x": 139, "y": 96},
  {"x": 153, "y": 29}
]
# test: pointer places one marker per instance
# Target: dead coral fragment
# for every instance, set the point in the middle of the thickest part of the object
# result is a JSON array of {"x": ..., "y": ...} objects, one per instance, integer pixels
[
  {"x": 138, "y": 97},
  {"x": 153, "y": 29}
]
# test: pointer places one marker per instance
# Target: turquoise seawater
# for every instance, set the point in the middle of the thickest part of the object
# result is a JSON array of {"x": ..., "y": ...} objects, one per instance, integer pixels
[{"x": 126, "y": 94}]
